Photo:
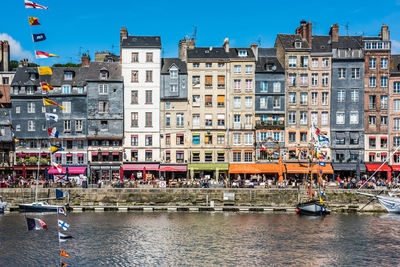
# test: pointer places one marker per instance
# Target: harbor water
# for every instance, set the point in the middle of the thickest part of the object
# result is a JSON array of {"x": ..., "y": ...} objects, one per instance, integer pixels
[{"x": 203, "y": 239}]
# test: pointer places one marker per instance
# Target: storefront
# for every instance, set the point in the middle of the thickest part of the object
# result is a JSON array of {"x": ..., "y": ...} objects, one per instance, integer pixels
[
  {"x": 381, "y": 171},
  {"x": 104, "y": 172},
  {"x": 28, "y": 172},
  {"x": 217, "y": 171},
  {"x": 347, "y": 170},
  {"x": 141, "y": 171},
  {"x": 301, "y": 171},
  {"x": 173, "y": 171},
  {"x": 260, "y": 171}
]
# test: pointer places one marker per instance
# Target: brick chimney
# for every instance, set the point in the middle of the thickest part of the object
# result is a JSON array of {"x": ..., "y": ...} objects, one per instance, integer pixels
[
  {"x": 254, "y": 48},
  {"x": 123, "y": 34},
  {"x": 385, "y": 33},
  {"x": 305, "y": 30},
  {"x": 184, "y": 44},
  {"x": 226, "y": 45},
  {"x": 334, "y": 33},
  {"x": 1, "y": 56},
  {"x": 85, "y": 60}
]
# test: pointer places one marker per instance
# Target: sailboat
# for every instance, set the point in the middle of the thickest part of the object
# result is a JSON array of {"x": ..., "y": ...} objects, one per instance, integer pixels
[{"x": 3, "y": 205}]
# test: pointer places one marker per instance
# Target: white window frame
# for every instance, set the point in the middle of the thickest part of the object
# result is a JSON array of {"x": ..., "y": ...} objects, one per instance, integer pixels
[{"x": 340, "y": 114}]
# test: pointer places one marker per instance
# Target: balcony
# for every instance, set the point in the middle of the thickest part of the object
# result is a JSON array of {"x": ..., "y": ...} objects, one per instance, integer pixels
[{"x": 270, "y": 123}]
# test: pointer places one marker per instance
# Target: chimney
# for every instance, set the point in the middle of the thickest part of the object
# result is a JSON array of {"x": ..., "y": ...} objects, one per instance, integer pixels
[
  {"x": 226, "y": 45},
  {"x": 334, "y": 33},
  {"x": 85, "y": 60},
  {"x": 254, "y": 47},
  {"x": 1, "y": 56},
  {"x": 6, "y": 56},
  {"x": 123, "y": 34},
  {"x": 305, "y": 30},
  {"x": 385, "y": 33},
  {"x": 184, "y": 44}
]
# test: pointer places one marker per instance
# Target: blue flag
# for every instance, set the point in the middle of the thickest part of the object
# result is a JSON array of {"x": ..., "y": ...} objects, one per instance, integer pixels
[
  {"x": 322, "y": 164},
  {"x": 60, "y": 194},
  {"x": 38, "y": 37}
]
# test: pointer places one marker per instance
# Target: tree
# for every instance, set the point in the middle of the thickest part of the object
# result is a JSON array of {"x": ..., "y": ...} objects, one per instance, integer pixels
[{"x": 13, "y": 64}]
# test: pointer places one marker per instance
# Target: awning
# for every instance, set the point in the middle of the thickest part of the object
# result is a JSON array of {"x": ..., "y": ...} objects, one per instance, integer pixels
[
  {"x": 395, "y": 168},
  {"x": 340, "y": 135},
  {"x": 354, "y": 135},
  {"x": 374, "y": 167},
  {"x": 104, "y": 153},
  {"x": 297, "y": 168},
  {"x": 31, "y": 168},
  {"x": 115, "y": 153},
  {"x": 71, "y": 170},
  {"x": 348, "y": 167},
  {"x": 208, "y": 166},
  {"x": 173, "y": 168},
  {"x": 95, "y": 153},
  {"x": 140, "y": 167},
  {"x": 327, "y": 169},
  {"x": 57, "y": 155},
  {"x": 255, "y": 168},
  {"x": 79, "y": 155}
]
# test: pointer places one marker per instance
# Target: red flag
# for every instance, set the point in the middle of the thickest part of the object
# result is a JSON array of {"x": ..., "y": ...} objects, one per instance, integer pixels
[
  {"x": 30, "y": 4},
  {"x": 317, "y": 132},
  {"x": 33, "y": 21}
]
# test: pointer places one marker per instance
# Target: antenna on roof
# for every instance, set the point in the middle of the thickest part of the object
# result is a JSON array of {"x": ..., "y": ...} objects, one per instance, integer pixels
[
  {"x": 194, "y": 36},
  {"x": 259, "y": 40},
  {"x": 314, "y": 26},
  {"x": 112, "y": 48}
]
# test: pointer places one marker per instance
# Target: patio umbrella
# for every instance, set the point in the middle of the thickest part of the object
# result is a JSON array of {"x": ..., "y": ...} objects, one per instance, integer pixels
[
  {"x": 132, "y": 178},
  {"x": 121, "y": 174},
  {"x": 144, "y": 174},
  {"x": 280, "y": 169}
]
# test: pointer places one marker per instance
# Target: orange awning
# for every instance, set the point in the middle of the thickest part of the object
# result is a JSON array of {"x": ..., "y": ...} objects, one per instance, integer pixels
[
  {"x": 327, "y": 169},
  {"x": 297, "y": 168},
  {"x": 254, "y": 168}
]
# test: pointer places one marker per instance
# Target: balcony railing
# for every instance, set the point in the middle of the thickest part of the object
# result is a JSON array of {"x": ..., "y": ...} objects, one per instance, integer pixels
[{"x": 270, "y": 123}]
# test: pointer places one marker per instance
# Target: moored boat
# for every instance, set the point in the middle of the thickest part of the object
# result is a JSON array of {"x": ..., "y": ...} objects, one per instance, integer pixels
[
  {"x": 3, "y": 205},
  {"x": 40, "y": 206},
  {"x": 313, "y": 207}
]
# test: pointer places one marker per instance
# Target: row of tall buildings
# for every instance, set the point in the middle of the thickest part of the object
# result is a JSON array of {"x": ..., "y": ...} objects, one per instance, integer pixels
[{"x": 213, "y": 112}]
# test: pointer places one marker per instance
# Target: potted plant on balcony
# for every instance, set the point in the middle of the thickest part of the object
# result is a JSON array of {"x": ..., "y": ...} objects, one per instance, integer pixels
[
  {"x": 44, "y": 161},
  {"x": 33, "y": 160}
]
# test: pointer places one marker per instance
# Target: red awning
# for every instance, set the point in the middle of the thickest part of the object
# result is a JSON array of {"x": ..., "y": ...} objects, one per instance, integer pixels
[
  {"x": 104, "y": 153},
  {"x": 95, "y": 153},
  {"x": 69, "y": 155},
  {"x": 374, "y": 167},
  {"x": 79, "y": 155},
  {"x": 57, "y": 155},
  {"x": 116, "y": 153},
  {"x": 140, "y": 167},
  {"x": 71, "y": 170},
  {"x": 396, "y": 168},
  {"x": 173, "y": 168}
]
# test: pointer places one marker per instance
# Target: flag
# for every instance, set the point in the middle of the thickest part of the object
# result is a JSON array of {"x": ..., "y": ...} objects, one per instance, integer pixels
[
  {"x": 46, "y": 87},
  {"x": 60, "y": 178},
  {"x": 5, "y": 113},
  {"x": 63, "y": 253},
  {"x": 33, "y": 21},
  {"x": 53, "y": 132},
  {"x": 63, "y": 237},
  {"x": 263, "y": 148},
  {"x": 59, "y": 169},
  {"x": 36, "y": 224},
  {"x": 59, "y": 193},
  {"x": 63, "y": 225},
  {"x": 48, "y": 102},
  {"x": 16, "y": 140},
  {"x": 45, "y": 71},
  {"x": 321, "y": 163},
  {"x": 63, "y": 264},
  {"x": 317, "y": 131},
  {"x": 18, "y": 146},
  {"x": 323, "y": 140},
  {"x": 41, "y": 54},
  {"x": 51, "y": 116},
  {"x": 60, "y": 210},
  {"x": 55, "y": 148},
  {"x": 2, "y": 106},
  {"x": 30, "y": 4},
  {"x": 38, "y": 37}
]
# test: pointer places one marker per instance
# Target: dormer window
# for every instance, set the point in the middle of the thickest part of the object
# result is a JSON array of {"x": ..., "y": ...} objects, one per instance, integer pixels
[
  {"x": 242, "y": 53},
  {"x": 32, "y": 76},
  {"x": 173, "y": 73},
  {"x": 68, "y": 75},
  {"x": 66, "y": 89},
  {"x": 103, "y": 75},
  {"x": 30, "y": 90},
  {"x": 297, "y": 44}
]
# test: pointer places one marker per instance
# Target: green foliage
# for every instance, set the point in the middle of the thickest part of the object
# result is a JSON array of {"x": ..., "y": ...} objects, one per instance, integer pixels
[
  {"x": 67, "y": 65},
  {"x": 33, "y": 65},
  {"x": 13, "y": 64},
  {"x": 33, "y": 160},
  {"x": 44, "y": 161}
]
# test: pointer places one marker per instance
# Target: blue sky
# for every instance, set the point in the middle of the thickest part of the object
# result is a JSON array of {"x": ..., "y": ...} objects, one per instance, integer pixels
[{"x": 86, "y": 25}]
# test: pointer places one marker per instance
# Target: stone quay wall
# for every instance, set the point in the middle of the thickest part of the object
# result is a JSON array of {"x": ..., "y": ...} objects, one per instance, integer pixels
[{"x": 338, "y": 200}]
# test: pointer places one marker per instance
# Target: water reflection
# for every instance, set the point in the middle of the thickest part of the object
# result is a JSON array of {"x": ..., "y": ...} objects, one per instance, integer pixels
[{"x": 203, "y": 239}]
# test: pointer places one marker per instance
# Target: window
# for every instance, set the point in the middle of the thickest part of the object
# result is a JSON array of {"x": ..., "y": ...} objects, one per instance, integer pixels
[
  {"x": 208, "y": 120},
  {"x": 292, "y": 62},
  {"x": 276, "y": 102},
  {"x": 236, "y": 86},
  {"x": 167, "y": 105},
  {"x": 314, "y": 98},
  {"x": 324, "y": 118},
  {"x": 195, "y": 156},
  {"x": 340, "y": 157},
  {"x": 383, "y": 120},
  {"x": 248, "y": 156},
  {"x": 292, "y": 137},
  {"x": 354, "y": 95},
  {"x": 221, "y": 101},
  {"x": 135, "y": 57},
  {"x": 18, "y": 128},
  {"x": 173, "y": 73},
  {"x": 276, "y": 87},
  {"x": 341, "y": 96},
  {"x": 168, "y": 139},
  {"x": 237, "y": 156},
  {"x": 103, "y": 75},
  {"x": 6, "y": 80},
  {"x": 68, "y": 75},
  {"x": 383, "y": 142},
  {"x": 173, "y": 88},
  {"x": 221, "y": 65},
  {"x": 149, "y": 57},
  {"x": 292, "y": 98},
  {"x": 67, "y": 106},
  {"x": 237, "y": 138},
  {"x": 208, "y": 139},
  {"x": 134, "y": 140},
  {"x": 66, "y": 89},
  {"x": 179, "y": 119},
  {"x": 264, "y": 86},
  {"x": 303, "y": 79},
  {"x": 221, "y": 156},
  {"x": 249, "y": 85},
  {"x": 149, "y": 121},
  {"x": 354, "y": 140},
  {"x": 196, "y": 120},
  {"x": 396, "y": 124},
  {"x": 236, "y": 120},
  {"x": 304, "y": 61},
  {"x": 237, "y": 69},
  {"x": 303, "y": 117},
  {"x": 221, "y": 119},
  {"x": 242, "y": 53},
  {"x": 292, "y": 79},
  {"x": 134, "y": 97},
  {"x": 135, "y": 76},
  {"x": 208, "y": 157},
  {"x": 17, "y": 109},
  {"x": 249, "y": 69},
  {"x": 372, "y": 63},
  {"x": 149, "y": 155},
  {"x": 149, "y": 75},
  {"x": 167, "y": 156},
  {"x": 30, "y": 90},
  {"x": 248, "y": 120},
  {"x": 340, "y": 118},
  {"x": 314, "y": 79},
  {"x": 325, "y": 98},
  {"x": 355, "y": 73},
  {"x": 78, "y": 125},
  {"x": 303, "y": 98},
  {"x": 208, "y": 100},
  {"x": 148, "y": 140},
  {"x": 384, "y": 81},
  {"x": 372, "y": 101},
  {"x": 396, "y": 87},
  {"x": 353, "y": 117},
  {"x": 195, "y": 80},
  {"x": 396, "y": 141},
  {"x": 167, "y": 120},
  {"x": 325, "y": 62},
  {"x": 340, "y": 140},
  {"x": 135, "y": 119},
  {"x": 208, "y": 81},
  {"x": 325, "y": 80},
  {"x": 372, "y": 142},
  {"x": 341, "y": 73},
  {"x": 196, "y": 65},
  {"x": 292, "y": 117},
  {"x": 372, "y": 81},
  {"x": 31, "y": 107},
  {"x": 384, "y": 63},
  {"x": 31, "y": 126},
  {"x": 196, "y": 100},
  {"x": 104, "y": 125},
  {"x": 149, "y": 97},
  {"x": 134, "y": 155},
  {"x": 248, "y": 101},
  {"x": 220, "y": 139},
  {"x": 67, "y": 126},
  {"x": 314, "y": 118},
  {"x": 396, "y": 104},
  {"x": 221, "y": 82},
  {"x": 314, "y": 62},
  {"x": 384, "y": 102},
  {"x": 103, "y": 106},
  {"x": 372, "y": 120},
  {"x": 179, "y": 156},
  {"x": 303, "y": 137},
  {"x": 236, "y": 102}
]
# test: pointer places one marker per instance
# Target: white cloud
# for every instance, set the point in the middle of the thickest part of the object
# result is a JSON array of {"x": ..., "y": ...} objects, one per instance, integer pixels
[
  {"x": 17, "y": 51},
  {"x": 395, "y": 47}
]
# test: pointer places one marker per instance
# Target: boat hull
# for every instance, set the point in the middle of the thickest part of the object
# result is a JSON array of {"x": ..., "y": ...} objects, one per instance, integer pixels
[
  {"x": 391, "y": 204},
  {"x": 30, "y": 208},
  {"x": 312, "y": 208}
]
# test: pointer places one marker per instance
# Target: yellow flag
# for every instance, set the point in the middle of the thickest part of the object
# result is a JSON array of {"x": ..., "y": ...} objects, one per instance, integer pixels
[
  {"x": 48, "y": 102},
  {"x": 45, "y": 71},
  {"x": 16, "y": 140}
]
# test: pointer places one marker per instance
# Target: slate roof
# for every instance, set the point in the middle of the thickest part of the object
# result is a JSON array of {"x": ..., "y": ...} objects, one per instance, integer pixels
[
  {"x": 321, "y": 44},
  {"x": 395, "y": 64},
  {"x": 262, "y": 62},
  {"x": 21, "y": 77},
  {"x": 111, "y": 58},
  {"x": 113, "y": 68},
  {"x": 142, "y": 41},
  {"x": 167, "y": 62},
  {"x": 218, "y": 53},
  {"x": 288, "y": 41},
  {"x": 353, "y": 42},
  {"x": 78, "y": 79},
  {"x": 266, "y": 52}
]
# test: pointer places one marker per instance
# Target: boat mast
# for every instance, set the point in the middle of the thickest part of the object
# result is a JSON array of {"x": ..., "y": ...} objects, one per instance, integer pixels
[{"x": 37, "y": 174}]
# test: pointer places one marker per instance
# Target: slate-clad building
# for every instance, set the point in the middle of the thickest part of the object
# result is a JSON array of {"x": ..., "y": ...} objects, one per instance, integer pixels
[
  {"x": 174, "y": 118},
  {"x": 105, "y": 119},
  {"x": 394, "y": 112}
]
